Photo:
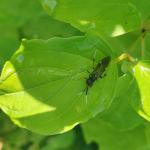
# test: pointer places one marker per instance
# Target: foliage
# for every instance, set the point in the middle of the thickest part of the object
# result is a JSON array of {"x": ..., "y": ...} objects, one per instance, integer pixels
[{"x": 43, "y": 81}]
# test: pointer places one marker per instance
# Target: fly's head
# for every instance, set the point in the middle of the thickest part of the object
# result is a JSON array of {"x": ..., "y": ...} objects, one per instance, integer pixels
[{"x": 89, "y": 82}]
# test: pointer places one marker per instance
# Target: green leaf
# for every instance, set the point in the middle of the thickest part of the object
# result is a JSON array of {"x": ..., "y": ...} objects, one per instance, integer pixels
[
  {"x": 12, "y": 17},
  {"x": 143, "y": 7},
  {"x": 141, "y": 96},
  {"x": 5, "y": 124},
  {"x": 121, "y": 115},
  {"x": 17, "y": 13},
  {"x": 44, "y": 83},
  {"x": 108, "y": 138},
  {"x": 147, "y": 132},
  {"x": 96, "y": 16},
  {"x": 132, "y": 43},
  {"x": 146, "y": 47},
  {"x": 18, "y": 23},
  {"x": 21, "y": 136},
  {"x": 63, "y": 142},
  {"x": 45, "y": 27},
  {"x": 127, "y": 43},
  {"x": 9, "y": 42}
]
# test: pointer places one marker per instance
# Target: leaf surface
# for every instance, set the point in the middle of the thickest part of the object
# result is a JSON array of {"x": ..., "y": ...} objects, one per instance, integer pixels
[
  {"x": 121, "y": 115},
  {"x": 44, "y": 83},
  {"x": 141, "y": 96},
  {"x": 103, "y": 133},
  {"x": 96, "y": 16}
]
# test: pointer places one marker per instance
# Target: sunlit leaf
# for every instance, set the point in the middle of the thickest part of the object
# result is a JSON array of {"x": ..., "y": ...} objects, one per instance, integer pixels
[
  {"x": 141, "y": 96},
  {"x": 44, "y": 83}
]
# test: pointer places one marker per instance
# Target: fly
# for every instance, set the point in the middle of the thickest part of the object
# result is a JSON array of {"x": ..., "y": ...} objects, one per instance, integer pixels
[{"x": 97, "y": 72}]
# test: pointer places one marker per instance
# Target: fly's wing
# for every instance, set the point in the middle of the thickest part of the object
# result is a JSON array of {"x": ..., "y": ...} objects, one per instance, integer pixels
[
  {"x": 97, "y": 72},
  {"x": 105, "y": 61},
  {"x": 101, "y": 67}
]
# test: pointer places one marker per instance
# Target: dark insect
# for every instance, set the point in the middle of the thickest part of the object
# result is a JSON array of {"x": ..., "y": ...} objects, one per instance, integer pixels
[
  {"x": 97, "y": 72},
  {"x": 143, "y": 31}
]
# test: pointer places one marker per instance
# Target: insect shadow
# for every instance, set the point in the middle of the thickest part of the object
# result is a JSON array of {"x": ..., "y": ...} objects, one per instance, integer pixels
[{"x": 97, "y": 72}]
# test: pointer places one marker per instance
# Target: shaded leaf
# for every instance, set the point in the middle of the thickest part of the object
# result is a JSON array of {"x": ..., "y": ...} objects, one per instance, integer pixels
[
  {"x": 27, "y": 20},
  {"x": 9, "y": 42},
  {"x": 17, "y": 13},
  {"x": 95, "y": 16},
  {"x": 103, "y": 133},
  {"x": 121, "y": 115},
  {"x": 143, "y": 7},
  {"x": 45, "y": 27}
]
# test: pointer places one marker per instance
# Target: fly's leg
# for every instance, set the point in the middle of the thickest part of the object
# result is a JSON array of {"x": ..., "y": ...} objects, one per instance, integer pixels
[
  {"x": 102, "y": 76},
  {"x": 93, "y": 63},
  {"x": 86, "y": 90},
  {"x": 88, "y": 71},
  {"x": 94, "y": 55},
  {"x": 94, "y": 58}
]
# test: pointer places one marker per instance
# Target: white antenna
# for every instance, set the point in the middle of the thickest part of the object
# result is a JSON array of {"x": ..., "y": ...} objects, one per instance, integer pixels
[{"x": 86, "y": 100}]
